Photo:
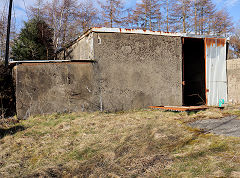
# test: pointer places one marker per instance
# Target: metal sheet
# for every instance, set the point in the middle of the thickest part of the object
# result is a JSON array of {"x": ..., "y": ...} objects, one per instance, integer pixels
[{"x": 216, "y": 77}]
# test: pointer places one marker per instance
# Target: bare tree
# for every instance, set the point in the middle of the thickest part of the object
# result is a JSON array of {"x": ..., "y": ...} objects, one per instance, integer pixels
[
  {"x": 167, "y": 20},
  {"x": 235, "y": 43},
  {"x": 68, "y": 18},
  {"x": 38, "y": 9},
  {"x": 203, "y": 16},
  {"x": 62, "y": 16},
  {"x": 112, "y": 12},
  {"x": 88, "y": 15},
  {"x": 147, "y": 15},
  {"x": 180, "y": 15},
  {"x": 3, "y": 30},
  {"x": 222, "y": 23}
]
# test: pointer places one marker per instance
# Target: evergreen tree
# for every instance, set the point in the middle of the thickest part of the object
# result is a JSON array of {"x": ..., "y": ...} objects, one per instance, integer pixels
[{"x": 34, "y": 42}]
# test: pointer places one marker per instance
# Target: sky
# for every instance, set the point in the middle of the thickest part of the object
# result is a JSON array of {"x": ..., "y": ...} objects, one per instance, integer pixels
[{"x": 19, "y": 13}]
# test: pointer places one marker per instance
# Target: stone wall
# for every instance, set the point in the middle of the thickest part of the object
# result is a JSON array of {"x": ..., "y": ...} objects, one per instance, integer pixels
[
  {"x": 54, "y": 87},
  {"x": 137, "y": 71},
  {"x": 233, "y": 73}
]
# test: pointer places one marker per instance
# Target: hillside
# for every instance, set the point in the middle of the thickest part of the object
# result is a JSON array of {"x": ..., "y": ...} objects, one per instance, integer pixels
[{"x": 143, "y": 143}]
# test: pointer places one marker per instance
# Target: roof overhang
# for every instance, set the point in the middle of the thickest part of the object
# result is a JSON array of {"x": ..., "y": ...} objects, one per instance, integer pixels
[
  {"x": 145, "y": 32},
  {"x": 138, "y": 31}
]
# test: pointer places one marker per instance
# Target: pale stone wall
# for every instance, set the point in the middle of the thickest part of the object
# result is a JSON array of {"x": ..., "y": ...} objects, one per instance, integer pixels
[{"x": 233, "y": 72}]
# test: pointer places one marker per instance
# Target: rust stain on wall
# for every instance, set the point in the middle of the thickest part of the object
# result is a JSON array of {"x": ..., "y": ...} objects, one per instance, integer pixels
[
  {"x": 221, "y": 42},
  {"x": 211, "y": 41},
  {"x": 128, "y": 29}
]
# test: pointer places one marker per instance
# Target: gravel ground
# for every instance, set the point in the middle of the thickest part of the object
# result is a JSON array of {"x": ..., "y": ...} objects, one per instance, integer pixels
[{"x": 229, "y": 126}]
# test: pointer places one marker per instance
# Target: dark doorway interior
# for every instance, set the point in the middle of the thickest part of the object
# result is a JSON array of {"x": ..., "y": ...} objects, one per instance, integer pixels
[{"x": 193, "y": 72}]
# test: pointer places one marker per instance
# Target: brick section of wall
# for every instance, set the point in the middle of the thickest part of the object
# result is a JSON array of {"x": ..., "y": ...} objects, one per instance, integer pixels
[{"x": 233, "y": 72}]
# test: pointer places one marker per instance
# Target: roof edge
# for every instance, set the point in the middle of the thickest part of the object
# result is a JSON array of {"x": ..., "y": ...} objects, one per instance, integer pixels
[{"x": 137, "y": 31}]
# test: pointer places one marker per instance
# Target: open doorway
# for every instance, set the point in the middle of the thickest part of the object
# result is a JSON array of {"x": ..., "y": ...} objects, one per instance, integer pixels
[{"x": 194, "y": 90}]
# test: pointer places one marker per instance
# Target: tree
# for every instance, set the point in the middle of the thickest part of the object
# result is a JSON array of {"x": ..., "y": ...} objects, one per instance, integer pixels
[
  {"x": 67, "y": 18},
  {"x": 235, "y": 43},
  {"x": 203, "y": 14},
  {"x": 222, "y": 23},
  {"x": 167, "y": 4},
  {"x": 38, "y": 9},
  {"x": 112, "y": 12},
  {"x": 3, "y": 31},
  {"x": 34, "y": 42},
  {"x": 147, "y": 15},
  {"x": 87, "y": 15},
  {"x": 180, "y": 15}
]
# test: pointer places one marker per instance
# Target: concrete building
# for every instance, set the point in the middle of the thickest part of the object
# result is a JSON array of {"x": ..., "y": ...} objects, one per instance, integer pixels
[
  {"x": 114, "y": 69},
  {"x": 233, "y": 72}
]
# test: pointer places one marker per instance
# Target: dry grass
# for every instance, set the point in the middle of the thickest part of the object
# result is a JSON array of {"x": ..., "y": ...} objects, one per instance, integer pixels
[{"x": 145, "y": 143}]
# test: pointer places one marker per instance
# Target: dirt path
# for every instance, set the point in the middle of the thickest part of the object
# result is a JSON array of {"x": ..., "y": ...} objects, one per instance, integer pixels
[{"x": 229, "y": 126}]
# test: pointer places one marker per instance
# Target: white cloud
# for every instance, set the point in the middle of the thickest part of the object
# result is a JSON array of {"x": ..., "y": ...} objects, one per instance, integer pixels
[
  {"x": 228, "y": 3},
  {"x": 231, "y": 3}
]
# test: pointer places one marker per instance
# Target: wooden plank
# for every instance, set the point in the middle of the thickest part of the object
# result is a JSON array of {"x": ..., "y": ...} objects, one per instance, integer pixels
[{"x": 180, "y": 108}]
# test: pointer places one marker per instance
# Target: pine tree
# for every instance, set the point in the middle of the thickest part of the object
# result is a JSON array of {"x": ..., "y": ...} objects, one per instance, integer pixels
[{"x": 34, "y": 42}]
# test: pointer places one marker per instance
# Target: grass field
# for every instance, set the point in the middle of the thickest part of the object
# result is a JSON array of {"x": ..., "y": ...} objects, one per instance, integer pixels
[{"x": 143, "y": 143}]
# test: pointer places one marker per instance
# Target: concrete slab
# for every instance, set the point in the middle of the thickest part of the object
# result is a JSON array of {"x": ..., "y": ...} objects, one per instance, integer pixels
[{"x": 229, "y": 126}]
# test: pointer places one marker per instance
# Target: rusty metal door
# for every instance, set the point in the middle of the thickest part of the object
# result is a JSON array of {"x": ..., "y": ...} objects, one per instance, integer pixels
[{"x": 216, "y": 77}]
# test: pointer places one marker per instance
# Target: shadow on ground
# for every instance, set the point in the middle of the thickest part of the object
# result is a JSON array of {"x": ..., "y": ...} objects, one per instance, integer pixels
[{"x": 10, "y": 131}]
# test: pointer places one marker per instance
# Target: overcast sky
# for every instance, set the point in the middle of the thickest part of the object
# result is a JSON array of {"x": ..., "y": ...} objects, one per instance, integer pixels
[{"x": 233, "y": 7}]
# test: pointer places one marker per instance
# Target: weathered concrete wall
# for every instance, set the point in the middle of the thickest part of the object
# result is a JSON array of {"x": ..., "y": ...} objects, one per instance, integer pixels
[
  {"x": 132, "y": 71},
  {"x": 80, "y": 50},
  {"x": 48, "y": 88},
  {"x": 136, "y": 71},
  {"x": 233, "y": 73}
]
